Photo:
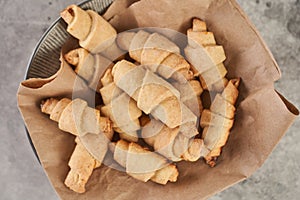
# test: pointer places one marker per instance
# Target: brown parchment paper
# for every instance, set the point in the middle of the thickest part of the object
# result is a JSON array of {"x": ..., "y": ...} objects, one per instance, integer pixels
[{"x": 262, "y": 118}]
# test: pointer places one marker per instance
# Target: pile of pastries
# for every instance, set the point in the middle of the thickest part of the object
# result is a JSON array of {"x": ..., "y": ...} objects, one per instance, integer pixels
[{"x": 152, "y": 112}]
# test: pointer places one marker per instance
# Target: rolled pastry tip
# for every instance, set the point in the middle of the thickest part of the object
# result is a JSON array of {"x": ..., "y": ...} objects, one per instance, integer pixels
[
  {"x": 79, "y": 21},
  {"x": 83, "y": 61},
  {"x": 199, "y": 25},
  {"x": 94, "y": 33},
  {"x": 101, "y": 36}
]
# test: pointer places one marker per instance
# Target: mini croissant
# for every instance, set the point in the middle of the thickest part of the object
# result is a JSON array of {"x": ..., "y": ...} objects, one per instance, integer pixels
[
  {"x": 153, "y": 94},
  {"x": 93, "y": 32},
  {"x": 76, "y": 117},
  {"x": 206, "y": 57},
  {"x": 171, "y": 143},
  {"x": 88, "y": 66},
  {"x": 218, "y": 121},
  {"x": 157, "y": 53},
  {"x": 143, "y": 164},
  {"x": 82, "y": 165},
  {"x": 120, "y": 108}
]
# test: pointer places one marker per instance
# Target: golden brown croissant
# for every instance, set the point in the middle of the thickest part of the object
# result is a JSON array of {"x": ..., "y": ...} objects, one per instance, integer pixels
[
  {"x": 171, "y": 143},
  {"x": 120, "y": 108},
  {"x": 88, "y": 66},
  {"x": 218, "y": 121},
  {"x": 158, "y": 53},
  {"x": 153, "y": 94},
  {"x": 76, "y": 117},
  {"x": 143, "y": 164},
  {"x": 206, "y": 57},
  {"x": 93, "y": 32},
  {"x": 81, "y": 166}
]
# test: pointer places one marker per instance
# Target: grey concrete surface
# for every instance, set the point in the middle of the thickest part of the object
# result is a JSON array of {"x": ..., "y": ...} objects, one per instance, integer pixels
[{"x": 23, "y": 22}]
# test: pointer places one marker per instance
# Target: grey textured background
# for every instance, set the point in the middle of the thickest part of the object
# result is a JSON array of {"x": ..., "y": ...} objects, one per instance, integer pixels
[{"x": 23, "y": 22}]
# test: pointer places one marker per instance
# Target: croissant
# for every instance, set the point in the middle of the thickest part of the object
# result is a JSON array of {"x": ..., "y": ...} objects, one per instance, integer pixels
[
  {"x": 89, "y": 67},
  {"x": 75, "y": 117},
  {"x": 153, "y": 94},
  {"x": 120, "y": 108},
  {"x": 94, "y": 33},
  {"x": 218, "y": 121},
  {"x": 171, "y": 143},
  {"x": 81, "y": 166},
  {"x": 206, "y": 57},
  {"x": 157, "y": 53},
  {"x": 143, "y": 164}
]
